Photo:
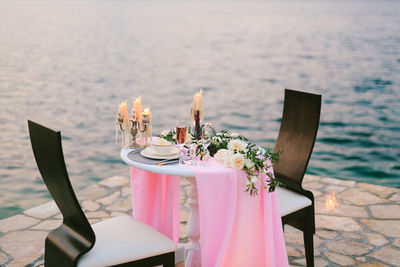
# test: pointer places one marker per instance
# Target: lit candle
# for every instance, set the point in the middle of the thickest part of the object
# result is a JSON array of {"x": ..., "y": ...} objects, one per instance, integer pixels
[
  {"x": 330, "y": 202},
  {"x": 123, "y": 114},
  {"x": 137, "y": 109},
  {"x": 197, "y": 113},
  {"x": 147, "y": 114},
  {"x": 147, "y": 120}
]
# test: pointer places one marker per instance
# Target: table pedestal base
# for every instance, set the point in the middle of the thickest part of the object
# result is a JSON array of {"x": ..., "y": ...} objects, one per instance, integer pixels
[{"x": 192, "y": 249}]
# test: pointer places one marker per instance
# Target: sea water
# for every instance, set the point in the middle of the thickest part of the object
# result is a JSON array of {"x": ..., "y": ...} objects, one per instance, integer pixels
[{"x": 69, "y": 64}]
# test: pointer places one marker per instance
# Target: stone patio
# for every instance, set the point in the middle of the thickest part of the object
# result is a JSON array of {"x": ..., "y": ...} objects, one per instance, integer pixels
[{"x": 363, "y": 230}]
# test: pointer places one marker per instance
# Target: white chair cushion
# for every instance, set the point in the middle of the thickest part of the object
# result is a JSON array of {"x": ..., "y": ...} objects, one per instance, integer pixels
[
  {"x": 124, "y": 239},
  {"x": 290, "y": 201}
]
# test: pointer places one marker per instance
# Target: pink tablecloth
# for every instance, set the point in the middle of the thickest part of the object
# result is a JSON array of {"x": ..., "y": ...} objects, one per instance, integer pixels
[
  {"x": 236, "y": 229},
  {"x": 155, "y": 201}
]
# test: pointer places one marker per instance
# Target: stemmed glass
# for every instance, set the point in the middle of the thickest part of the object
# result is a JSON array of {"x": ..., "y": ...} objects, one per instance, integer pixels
[
  {"x": 206, "y": 136},
  {"x": 181, "y": 127}
]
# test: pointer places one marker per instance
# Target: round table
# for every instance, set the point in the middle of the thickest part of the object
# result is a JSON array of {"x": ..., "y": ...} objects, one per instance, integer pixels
[{"x": 189, "y": 252}]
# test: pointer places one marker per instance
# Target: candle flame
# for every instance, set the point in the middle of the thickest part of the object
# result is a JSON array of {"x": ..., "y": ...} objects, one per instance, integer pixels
[
  {"x": 330, "y": 202},
  {"x": 146, "y": 111}
]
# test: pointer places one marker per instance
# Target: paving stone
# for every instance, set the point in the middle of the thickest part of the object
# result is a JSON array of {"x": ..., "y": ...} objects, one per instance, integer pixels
[
  {"x": 32, "y": 243},
  {"x": 371, "y": 264},
  {"x": 109, "y": 199},
  {"x": 378, "y": 189},
  {"x": 117, "y": 214},
  {"x": 317, "y": 252},
  {"x": 395, "y": 197},
  {"x": 293, "y": 236},
  {"x": 89, "y": 205},
  {"x": 311, "y": 178},
  {"x": 313, "y": 185},
  {"x": 326, "y": 234},
  {"x": 39, "y": 263},
  {"x": 396, "y": 242},
  {"x": 340, "y": 259},
  {"x": 334, "y": 188},
  {"x": 349, "y": 235},
  {"x": 94, "y": 220},
  {"x": 301, "y": 261},
  {"x": 292, "y": 252},
  {"x": 319, "y": 262},
  {"x": 126, "y": 191},
  {"x": 58, "y": 216},
  {"x": 387, "y": 227},
  {"x": 338, "y": 182},
  {"x": 376, "y": 239},
  {"x": 386, "y": 211},
  {"x": 317, "y": 194},
  {"x": 342, "y": 210},
  {"x": 43, "y": 211},
  {"x": 336, "y": 223},
  {"x": 317, "y": 241},
  {"x": 361, "y": 259},
  {"x": 123, "y": 206},
  {"x": 96, "y": 214},
  {"x": 3, "y": 258},
  {"x": 357, "y": 197},
  {"x": 114, "y": 181},
  {"x": 17, "y": 222},
  {"x": 48, "y": 225},
  {"x": 349, "y": 247},
  {"x": 92, "y": 192},
  {"x": 388, "y": 255}
]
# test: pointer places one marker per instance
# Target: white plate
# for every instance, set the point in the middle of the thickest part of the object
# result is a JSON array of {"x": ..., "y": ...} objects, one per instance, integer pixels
[{"x": 149, "y": 153}]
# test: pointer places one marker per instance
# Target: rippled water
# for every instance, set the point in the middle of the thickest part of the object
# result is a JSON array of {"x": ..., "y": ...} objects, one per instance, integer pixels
[{"x": 69, "y": 64}]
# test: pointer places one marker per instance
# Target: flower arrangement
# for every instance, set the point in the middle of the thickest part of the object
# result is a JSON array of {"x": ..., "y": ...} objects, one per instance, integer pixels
[{"x": 234, "y": 151}]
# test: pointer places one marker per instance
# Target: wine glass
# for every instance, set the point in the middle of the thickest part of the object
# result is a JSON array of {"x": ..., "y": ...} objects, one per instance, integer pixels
[
  {"x": 181, "y": 127},
  {"x": 206, "y": 136},
  {"x": 192, "y": 153}
]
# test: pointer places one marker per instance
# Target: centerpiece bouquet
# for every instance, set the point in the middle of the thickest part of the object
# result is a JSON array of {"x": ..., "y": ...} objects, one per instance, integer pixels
[{"x": 234, "y": 151}]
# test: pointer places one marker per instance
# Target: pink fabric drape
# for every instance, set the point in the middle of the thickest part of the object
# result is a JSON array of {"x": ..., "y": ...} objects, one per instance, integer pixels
[
  {"x": 237, "y": 229},
  {"x": 155, "y": 201}
]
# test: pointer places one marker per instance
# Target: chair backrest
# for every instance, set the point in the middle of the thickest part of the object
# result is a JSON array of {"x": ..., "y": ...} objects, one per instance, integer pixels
[
  {"x": 297, "y": 134},
  {"x": 76, "y": 230}
]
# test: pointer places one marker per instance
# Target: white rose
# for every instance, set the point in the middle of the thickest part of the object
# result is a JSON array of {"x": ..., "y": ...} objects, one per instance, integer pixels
[
  {"x": 237, "y": 145},
  {"x": 248, "y": 163},
  {"x": 188, "y": 139},
  {"x": 237, "y": 161},
  {"x": 165, "y": 132},
  {"x": 223, "y": 156}
]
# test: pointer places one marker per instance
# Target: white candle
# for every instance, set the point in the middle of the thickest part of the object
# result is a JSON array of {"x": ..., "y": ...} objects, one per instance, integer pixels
[
  {"x": 123, "y": 113},
  {"x": 137, "y": 109}
]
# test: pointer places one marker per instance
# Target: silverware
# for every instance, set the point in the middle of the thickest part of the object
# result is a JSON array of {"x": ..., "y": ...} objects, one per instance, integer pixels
[
  {"x": 135, "y": 151},
  {"x": 168, "y": 162},
  {"x": 161, "y": 161}
]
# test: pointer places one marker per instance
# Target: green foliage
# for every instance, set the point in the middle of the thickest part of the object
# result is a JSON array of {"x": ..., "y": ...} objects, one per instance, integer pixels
[{"x": 262, "y": 159}]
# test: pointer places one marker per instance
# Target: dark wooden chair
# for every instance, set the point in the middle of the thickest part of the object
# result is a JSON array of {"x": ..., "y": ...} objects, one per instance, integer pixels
[
  {"x": 297, "y": 134},
  {"x": 120, "y": 241}
]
